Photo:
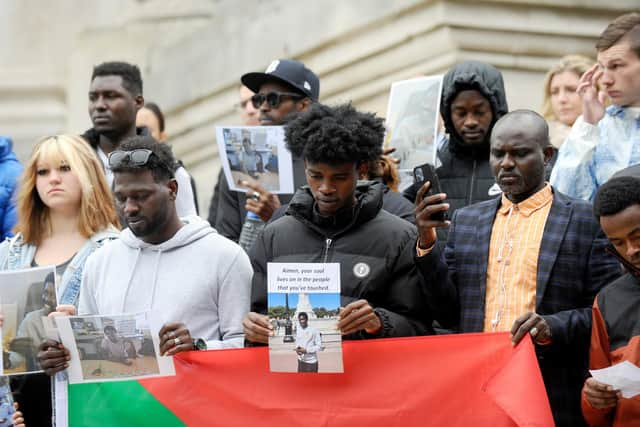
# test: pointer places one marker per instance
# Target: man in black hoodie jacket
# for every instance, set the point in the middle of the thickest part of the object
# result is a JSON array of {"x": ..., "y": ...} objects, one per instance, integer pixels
[
  {"x": 473, "y": 99},
  {"x": 338, "y": 219}
]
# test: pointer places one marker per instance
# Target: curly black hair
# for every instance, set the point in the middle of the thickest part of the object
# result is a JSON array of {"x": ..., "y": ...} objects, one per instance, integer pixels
[
  {"x": 161, "y": 163},
  {"x": 616, "y": 195},
  {"x": 335, "y": 135},
  {"x": 131, "y": 77}
]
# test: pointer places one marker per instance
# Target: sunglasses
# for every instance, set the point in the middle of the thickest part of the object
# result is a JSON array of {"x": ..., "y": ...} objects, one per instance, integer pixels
[
  {"x": 273, "y": 98},
  {"x": 138, "y": 157}
]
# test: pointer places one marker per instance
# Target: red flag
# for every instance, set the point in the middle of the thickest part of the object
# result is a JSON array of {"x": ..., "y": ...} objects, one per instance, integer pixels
[{"x": 449, "y": 380}]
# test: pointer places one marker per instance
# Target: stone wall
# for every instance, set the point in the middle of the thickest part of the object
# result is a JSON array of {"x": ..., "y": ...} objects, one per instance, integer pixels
[{"x": 192, "y": 53}]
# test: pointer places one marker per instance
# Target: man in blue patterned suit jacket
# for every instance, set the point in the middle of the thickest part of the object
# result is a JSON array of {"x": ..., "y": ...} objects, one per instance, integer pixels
[{"x": 570, "y": 269}]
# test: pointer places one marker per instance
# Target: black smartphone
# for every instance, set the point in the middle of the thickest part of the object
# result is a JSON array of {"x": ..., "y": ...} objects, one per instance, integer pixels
[{"x": 424, "y": 173}]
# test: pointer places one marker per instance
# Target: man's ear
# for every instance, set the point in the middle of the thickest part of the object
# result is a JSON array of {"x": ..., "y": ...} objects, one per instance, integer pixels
[
  {"x": 548, "y": 154},
  {"x": 304, "y": 104},
  {"x": 172, "y": 185},
  {"x": 363, "y": 170},
  {"x": 139, "y": 99}
]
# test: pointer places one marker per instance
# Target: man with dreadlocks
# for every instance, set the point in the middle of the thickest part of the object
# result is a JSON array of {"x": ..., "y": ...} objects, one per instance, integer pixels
[{"x": 336, "y": 218}]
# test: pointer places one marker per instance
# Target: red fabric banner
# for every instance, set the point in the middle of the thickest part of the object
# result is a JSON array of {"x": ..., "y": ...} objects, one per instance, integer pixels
[{"x": 451, "y": 380}]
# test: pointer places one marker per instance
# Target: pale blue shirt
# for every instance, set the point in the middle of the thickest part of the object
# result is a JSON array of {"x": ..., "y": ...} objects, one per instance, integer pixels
[{"x": 591, "y": 154}]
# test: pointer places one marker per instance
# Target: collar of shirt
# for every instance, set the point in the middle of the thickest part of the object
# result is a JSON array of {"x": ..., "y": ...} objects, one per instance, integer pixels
[
  {"x": 618, "y": 111},
  {"x": 530, "y": 205}
]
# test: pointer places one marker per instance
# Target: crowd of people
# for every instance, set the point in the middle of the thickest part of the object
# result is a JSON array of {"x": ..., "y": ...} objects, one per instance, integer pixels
[{"x": 542, "y": 237}]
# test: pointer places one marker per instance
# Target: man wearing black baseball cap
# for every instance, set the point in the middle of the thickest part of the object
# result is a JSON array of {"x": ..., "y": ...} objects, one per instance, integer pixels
[{"x": 286, "y": 87}]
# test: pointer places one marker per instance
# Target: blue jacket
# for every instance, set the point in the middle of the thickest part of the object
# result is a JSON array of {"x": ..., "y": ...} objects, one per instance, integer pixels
[
  {"x": 572, "y": 267},
  {"x": 10, "y": 169}
]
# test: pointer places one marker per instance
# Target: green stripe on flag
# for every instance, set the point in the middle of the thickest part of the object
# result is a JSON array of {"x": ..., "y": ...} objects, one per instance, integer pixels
[{"x": 116, "y": 404}]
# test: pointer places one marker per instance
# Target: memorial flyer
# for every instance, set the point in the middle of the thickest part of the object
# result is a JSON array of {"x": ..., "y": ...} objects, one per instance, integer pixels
[
  {"x": 303, "y": 305},
  {"x": 26, "y": 296},
  {"x": 255, "y": 153},
  {"x": 412, "y": 123},
  {"x": 113, "y": 348}
]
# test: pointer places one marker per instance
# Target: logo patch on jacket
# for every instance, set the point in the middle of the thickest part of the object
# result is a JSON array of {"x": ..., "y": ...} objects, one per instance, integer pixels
[{"x": 361, "y": 270}]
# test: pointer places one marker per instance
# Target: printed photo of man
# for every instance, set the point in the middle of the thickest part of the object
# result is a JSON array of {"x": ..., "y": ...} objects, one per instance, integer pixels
[
  {"x": 308, "y": 343},
  {"x": 115, "y": 348}
]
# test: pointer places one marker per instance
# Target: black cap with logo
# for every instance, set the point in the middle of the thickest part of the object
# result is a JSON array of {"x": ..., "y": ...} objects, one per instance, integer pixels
[{"x": 289, "y": 71}]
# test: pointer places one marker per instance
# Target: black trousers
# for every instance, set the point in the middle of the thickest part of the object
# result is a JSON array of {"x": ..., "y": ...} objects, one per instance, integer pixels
[{"x": 307, "y": 367}]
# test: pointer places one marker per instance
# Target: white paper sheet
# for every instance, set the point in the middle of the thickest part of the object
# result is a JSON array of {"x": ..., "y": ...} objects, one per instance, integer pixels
[{"x": 623, "y": 376}]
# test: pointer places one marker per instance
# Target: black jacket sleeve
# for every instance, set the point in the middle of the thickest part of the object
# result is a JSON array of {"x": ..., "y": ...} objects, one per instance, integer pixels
[
  {"x": 402, "y": 308},
  {"x": 438, "y": 278},
  {"x": 231, "y": 213}
]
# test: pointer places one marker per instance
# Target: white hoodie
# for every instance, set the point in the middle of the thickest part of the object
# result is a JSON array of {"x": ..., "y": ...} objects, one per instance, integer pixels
[{"x": 197, "y": 277}]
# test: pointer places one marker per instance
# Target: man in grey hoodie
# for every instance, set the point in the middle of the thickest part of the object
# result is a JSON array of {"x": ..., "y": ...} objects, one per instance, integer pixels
[{"x": 202, "y": 305}]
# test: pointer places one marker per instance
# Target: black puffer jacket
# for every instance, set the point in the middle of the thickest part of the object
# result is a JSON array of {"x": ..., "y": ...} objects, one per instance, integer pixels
[
  {"x": 465, "y": 175},
  {"x": 365, "y": 236}
]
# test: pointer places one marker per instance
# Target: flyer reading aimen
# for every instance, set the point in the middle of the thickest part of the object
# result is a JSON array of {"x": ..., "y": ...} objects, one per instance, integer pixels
[{"x": 303, "y": 304}]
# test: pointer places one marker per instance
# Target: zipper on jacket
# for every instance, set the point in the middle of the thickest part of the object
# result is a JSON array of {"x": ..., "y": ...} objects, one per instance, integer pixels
[
  {"x": 473, "y": 175},
  {"x": 326, "y": 250}
]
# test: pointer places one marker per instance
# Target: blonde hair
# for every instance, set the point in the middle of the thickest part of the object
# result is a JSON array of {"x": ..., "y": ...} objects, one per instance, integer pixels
[
  {"x": 97, "y": 210},
  {"x": 576, "y": 64}
]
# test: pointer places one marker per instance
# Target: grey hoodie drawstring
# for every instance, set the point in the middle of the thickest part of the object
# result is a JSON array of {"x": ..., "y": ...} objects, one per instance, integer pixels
[
  {"x": 154, "y": 282},
  {"x": 126, "y": 291},
  {"x": 155, "y": 279}
]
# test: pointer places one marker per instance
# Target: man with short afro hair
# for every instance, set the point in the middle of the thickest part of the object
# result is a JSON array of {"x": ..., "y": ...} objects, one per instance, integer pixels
[
  {"x": 615, "y": 332},
  {"x": 115, "y": 96},
  {"x": 336, "y": 218}
]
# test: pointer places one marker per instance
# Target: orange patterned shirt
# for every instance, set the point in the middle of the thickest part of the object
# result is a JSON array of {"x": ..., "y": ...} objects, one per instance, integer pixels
[{"x": 512, "y": 268}]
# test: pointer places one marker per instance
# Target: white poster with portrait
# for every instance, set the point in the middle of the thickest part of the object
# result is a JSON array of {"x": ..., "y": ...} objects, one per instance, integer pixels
[
  {"x": 26, "y": 296},
  {"x": 412, "y": 123},
  {"x": 258, "y": 154},
  {"x": 113, "y": 348}
]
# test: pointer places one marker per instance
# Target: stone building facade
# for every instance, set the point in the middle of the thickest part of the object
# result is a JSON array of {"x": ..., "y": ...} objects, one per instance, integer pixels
[{"x": 192, "y": 53}]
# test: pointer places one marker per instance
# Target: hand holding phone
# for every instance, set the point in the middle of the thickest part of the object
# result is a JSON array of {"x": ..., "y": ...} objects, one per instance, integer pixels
[
  {"x": 427, "y": 173},
  {"x": 431, "y": 208}
]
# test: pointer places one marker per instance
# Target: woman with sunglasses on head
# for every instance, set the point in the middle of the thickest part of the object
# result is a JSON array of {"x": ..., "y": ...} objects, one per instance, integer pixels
[{"x": 65, "y": 212}]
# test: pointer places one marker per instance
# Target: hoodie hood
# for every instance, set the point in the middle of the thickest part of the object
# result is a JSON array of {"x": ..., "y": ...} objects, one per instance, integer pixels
[
  {"x": 368, "y": 203},
  {"x": 92, "y": 136},
  {"x": 479, "y": 76},
  {"x": 194, "y": 228}
]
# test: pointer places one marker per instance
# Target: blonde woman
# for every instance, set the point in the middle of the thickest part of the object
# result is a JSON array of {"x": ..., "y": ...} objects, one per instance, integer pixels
[
  {"x": 65, "y": 212},
  {"x": 562, "y": 105}
]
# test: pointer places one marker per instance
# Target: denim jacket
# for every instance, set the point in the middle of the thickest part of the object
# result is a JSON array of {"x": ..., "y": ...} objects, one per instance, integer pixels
[
  {"x": 591, "y": 154},
  {"x": 15, "y": 254}
]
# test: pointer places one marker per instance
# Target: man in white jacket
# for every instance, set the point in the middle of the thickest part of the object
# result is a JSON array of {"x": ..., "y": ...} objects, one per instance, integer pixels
[
  {"x": 604, "y": 139},
  {"x": 196, "y": 279}
]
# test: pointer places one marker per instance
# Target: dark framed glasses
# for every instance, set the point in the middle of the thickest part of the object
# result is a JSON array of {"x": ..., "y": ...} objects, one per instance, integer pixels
[
  {"x": 138, "y": 157},
  {"x": 273, "y": 98}
]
